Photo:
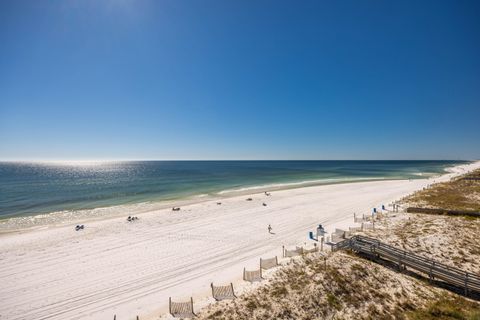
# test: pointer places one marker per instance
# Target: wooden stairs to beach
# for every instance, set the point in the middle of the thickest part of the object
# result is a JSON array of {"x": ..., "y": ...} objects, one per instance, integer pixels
[{"x": 469, "y": 282}]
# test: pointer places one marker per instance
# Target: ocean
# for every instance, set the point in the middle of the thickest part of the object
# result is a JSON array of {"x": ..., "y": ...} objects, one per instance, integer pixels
[{"x": 31, "y": 192}]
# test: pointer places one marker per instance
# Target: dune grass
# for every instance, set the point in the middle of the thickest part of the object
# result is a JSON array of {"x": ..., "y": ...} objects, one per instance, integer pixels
[
  {"x": 457, "y": 194},
  {"x": 446, "y": 308},
  {"x": 349, "y": 288}
]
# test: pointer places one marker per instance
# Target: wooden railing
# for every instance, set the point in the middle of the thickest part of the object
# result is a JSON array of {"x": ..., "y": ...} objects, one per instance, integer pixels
[
  {"x": 443, "y": 211},
  {"x": 435, "y": 270}
]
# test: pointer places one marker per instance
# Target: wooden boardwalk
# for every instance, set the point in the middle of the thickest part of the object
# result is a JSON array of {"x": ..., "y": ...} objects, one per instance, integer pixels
[{"x": 435, "y": 270}]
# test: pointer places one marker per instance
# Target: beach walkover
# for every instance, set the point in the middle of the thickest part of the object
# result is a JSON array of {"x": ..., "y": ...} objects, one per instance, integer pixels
[{"x": 455, "y": 277}]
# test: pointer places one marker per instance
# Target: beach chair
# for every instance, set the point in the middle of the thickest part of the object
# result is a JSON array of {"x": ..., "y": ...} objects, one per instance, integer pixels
[
  {"x": 181, "y": 309},
  {"x": 268, "y": 263},
  {"x": 223, "y": 292},
  {"x": 252, "y": 276}
]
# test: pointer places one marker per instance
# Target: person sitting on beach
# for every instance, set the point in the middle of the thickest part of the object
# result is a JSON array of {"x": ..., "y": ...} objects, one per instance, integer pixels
[
  {"x": 129, "y": 218},
  {"x": 176, "y": 209},
  {"x": 264, "y": 204},
  {"x": 79, "y": 227}
]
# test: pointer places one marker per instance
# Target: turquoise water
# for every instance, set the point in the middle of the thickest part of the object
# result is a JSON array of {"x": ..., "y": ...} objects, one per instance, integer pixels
[{"x": 28, "y": 189}]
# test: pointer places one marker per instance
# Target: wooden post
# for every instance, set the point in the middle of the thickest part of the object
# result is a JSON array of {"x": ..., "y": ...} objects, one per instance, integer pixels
[
  {"x": 191, "y": 302},
  {"x": 244, "y": 273},
  {"x": 276, "y": 260},
  {"x": 213, "y": 294},
  {"x": 283, "y": 251},
  {"x": 231, "y": 284},
  {"x": 114, "y": 317},
  {"x": 170, "y": 304},
  {"x": 325, "y": 262},
  {"x": 321, "y": 243},
  {"x": 261, "y": 276}
]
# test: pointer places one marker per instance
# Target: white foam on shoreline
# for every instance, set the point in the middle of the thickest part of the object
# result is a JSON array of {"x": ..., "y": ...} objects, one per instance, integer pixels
[
  {"x": 69, "y": 217},
  {"x": 287, "y": 185}
]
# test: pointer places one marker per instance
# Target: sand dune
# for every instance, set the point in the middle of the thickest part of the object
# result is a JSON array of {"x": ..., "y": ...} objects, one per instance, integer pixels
[{"x": 131, "y": 268}]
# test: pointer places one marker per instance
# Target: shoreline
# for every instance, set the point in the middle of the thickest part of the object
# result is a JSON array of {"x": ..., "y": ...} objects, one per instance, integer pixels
[
  {"x": 129, "y": 269},
  {"x": 26, "y": 223}
]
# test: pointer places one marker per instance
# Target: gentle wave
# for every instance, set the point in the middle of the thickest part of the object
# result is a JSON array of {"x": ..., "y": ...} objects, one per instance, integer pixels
[{"x": 299, "y": 184}]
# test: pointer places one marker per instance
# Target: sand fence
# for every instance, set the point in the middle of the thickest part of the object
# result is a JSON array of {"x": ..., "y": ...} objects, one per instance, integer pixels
[
  {"x": 268, "y": 263},
  {"x": 181, "y": 309},
  {"x": 298, "y": 251},
  {"x": 339, "y": 235},
  {"x": 252, "y": 275},
  {"x": 223, "y": 292},
  {"x": 227, "y": 292},
  {"x": 368, "y": 226},
  {"x": 354, "y": 229},
  {"x": 359, "y": 219},
  {"x": 311, "y": 250}
]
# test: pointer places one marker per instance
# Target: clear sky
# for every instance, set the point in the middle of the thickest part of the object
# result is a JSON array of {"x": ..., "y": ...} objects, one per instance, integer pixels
[{"x": 239, "y": 79}]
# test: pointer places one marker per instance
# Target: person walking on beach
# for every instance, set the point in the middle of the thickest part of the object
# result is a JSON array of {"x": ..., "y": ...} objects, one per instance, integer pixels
[{"x": 269, "y": 229}]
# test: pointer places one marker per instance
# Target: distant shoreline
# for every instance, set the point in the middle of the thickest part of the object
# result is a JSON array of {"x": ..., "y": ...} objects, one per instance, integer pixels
[
  {"x": 18, "y": 223},
  {"x": 47, "y": 220}
]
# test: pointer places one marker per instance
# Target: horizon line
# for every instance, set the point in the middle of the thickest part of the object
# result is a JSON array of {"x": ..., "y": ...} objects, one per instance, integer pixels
[{"x": 152, "y": 160}]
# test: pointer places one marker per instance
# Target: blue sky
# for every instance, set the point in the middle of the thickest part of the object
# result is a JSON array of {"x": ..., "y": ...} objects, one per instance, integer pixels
[{"x": 239, "y": 80}]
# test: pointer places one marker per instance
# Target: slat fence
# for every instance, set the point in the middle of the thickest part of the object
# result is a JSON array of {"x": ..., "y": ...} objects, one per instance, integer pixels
[{"x": 181, "y": 309}]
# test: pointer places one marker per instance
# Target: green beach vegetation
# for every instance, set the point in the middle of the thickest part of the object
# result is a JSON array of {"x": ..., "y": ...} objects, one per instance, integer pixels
[{"x": 462, "y": 193}]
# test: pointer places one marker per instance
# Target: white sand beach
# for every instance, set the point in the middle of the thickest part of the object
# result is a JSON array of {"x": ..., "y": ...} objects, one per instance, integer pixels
[{"x": 132, "y": 268}]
